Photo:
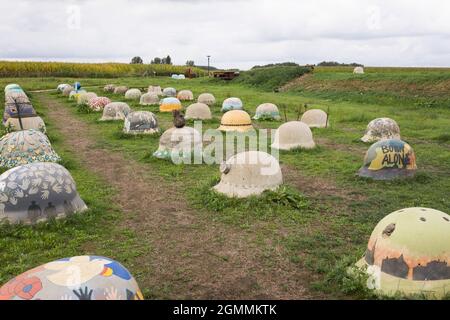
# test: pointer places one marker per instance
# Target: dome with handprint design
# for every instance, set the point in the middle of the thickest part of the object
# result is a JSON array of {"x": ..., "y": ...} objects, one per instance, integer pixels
[
  {"x": 38, "y": 192},
  {"x": 74, "y": 278}
]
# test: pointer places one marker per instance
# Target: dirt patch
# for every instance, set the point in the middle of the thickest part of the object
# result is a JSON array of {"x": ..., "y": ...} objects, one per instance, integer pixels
[
  {"x": 319, "y": 188},
  {"x": 352, "y": 148},
  {"x": 188, "y": 257},
  {"x": 296, "y": 82}
]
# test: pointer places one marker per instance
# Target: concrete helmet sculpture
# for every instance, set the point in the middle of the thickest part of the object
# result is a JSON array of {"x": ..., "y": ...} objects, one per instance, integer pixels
[
  {"x": 185, "y": 95},
  {"x": 16, "y": 97},
  {"x": 19, "y": 124},
  {"x": 141, "y": 122},
  {"x": 98, "y": 103},
  {"x": 198, "y": 111},
  {"x": 74, "y": 278},
  {"x": 179, "y": 142},
  {"x": 37, "y": 192},
  {"x": 26, "y": 146},
  {"x": 292, "y": 135},
  {"x": 109, "y": 88},
  {"x": 169, "y": 92},
  {"x": 381, "y": 128},
  {"x": 16, "y": 108},
  {"x": 206, "y": 98},
  {"x": 170, "y": 104},
  {"x": 133, "y": 94},
  {"x": 267, "y": 111},
  {"x": 12, "y": 86},
  {"x": 358, "y": 70},
  {"x": 155, "y": 89},
  {"x": 389, "y": 159},
  {"x": 62, "y": 86},
  {"x": 20, "y": 115},
  {"x": 84, "y": 97},
  {"x": 249, "y": 173},
  {"x": 315, "y": 118},
  {"x": 236, "y": 120},
  {"x": 77, "y": 86},
  {"x": 409, "y": 252},
  {"x": 67, "y": 90},
  {"x": 232, "y": 104},
  {"x": 120, "y": 90},
  {"x": 74, "y": 95},
  {"x": 115, "y": 111},
  {"x": 148, "y": 99}
]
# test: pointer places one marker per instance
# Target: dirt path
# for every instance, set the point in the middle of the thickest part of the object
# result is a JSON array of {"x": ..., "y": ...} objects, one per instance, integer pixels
[{"x": 189, "y": 257}]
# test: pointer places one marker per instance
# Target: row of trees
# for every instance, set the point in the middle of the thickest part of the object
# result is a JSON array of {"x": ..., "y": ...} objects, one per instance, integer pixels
[
  {"x": 158, "y": 60},
  {"x": 337, "y": 64}
]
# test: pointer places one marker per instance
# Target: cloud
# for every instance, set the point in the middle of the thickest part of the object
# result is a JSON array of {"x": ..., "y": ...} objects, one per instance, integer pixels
[{"x": 237, "y": 33}]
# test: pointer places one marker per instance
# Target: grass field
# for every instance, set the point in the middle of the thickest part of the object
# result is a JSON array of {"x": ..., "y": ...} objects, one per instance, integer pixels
[{"x": 320, "y": 219}]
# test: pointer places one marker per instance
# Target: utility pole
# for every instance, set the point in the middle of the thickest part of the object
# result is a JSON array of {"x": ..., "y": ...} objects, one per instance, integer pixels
[{"x": 208, "y": 63}]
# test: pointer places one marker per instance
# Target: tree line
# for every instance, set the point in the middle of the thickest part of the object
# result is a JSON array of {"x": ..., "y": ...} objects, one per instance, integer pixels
[{"x": 158, "y": 60}]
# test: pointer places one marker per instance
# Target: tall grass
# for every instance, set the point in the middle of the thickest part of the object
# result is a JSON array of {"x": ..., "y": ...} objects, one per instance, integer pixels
[{"x": 91, "y": 70}]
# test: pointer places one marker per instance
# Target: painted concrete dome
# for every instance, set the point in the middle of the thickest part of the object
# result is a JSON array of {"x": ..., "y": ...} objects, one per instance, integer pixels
[
  {"x": 133, "y": 94},
  {"x": 267, "y": 111},
  {"x": 206, "y": 98},
  {"x": 249, "y": 173},
  {"x": 236, "y": 120},
  {"x": 185, "y": 95},
  {"x": 141, "y": 122},
  {"x": 199, "y": 111},
  {"x": 67, "y": 90},
  {"x": 98, "y": 103},
  {"x": 155, "y": 89},
  {"x": 292, "y": 135},
  {"x": 232, "y": 104},
  {"x": 148, "y": 99},
  {"x": 62, "y": 86},
  {"x": 16, "y": 124},
  {"x": 12, "y": 86},
  {"x": 169, "y": 92},
  {"x": 358, "y": 70},
  {"x": 389, "y": 159},
  {"x": 380, "y": 129},
  {"x": 409, "y": 252},
  {"x": 96, "y": 278},
  {"x": 37, "y": 192},
  {"x": 109, "y": 88},
  {"x": 315, "y": 118},
  {"x": 170, "y": 104},
  {"x": 120, "y": 90},
  {"x": 115, "y": 111},
  {"x": 84, "y": 97},
  {"x": 179, "y": 142},
  {"x": 23, "y": 147},
  {"x": 16, "y": 97}
]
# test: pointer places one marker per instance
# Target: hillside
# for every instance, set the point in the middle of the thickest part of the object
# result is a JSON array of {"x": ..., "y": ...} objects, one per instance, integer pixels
[
  {"x": 270, "y": 78},
  {"x": 425, "y": 87}
]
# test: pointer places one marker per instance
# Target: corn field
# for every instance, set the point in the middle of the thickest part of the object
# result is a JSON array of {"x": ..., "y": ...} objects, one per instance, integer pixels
[{"x": 89, "y": 70}]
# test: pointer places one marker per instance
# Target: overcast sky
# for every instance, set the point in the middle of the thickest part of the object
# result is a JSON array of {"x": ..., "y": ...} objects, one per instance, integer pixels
[{"x": 236, "y": 33}]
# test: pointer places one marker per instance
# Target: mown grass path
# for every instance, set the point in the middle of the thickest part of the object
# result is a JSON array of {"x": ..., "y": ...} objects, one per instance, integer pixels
[{"x": 190, "y": 257}]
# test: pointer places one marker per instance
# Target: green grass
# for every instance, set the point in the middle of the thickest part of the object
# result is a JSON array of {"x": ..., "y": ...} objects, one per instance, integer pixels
[
  {"x": 322, "y": 232},
  {"x": 270, "y": 78}
]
